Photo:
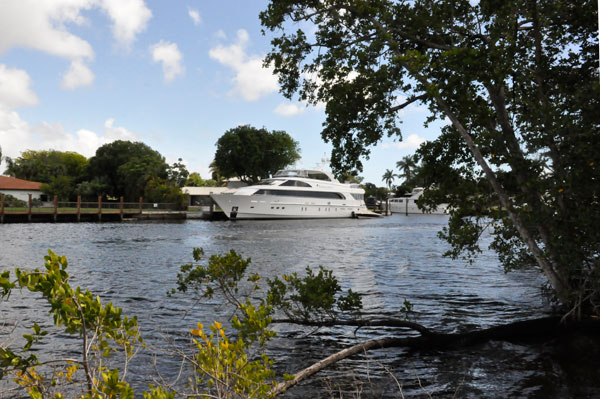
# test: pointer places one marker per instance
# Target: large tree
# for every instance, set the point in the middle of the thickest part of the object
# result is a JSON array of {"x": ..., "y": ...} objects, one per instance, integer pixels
[
  {"x": 251, "y": 154},
  {"x": 125, "y": 167},
  {"x": 518, "y": 82}
]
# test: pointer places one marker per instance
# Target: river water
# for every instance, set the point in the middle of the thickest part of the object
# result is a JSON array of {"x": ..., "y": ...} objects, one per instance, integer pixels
[{"x": 388, "y": 260}]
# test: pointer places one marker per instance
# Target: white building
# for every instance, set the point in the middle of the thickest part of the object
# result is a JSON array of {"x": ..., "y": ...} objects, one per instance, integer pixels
[
  {"x": 201, "y": 195},
  {"x": 20, "y": 188}
]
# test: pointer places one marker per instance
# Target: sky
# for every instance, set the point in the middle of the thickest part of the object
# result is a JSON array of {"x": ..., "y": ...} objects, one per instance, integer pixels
[{"x": 176, "y": 75}]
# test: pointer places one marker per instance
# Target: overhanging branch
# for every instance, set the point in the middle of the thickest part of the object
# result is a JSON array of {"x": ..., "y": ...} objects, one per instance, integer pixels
[{"x": 410, "y": 100}]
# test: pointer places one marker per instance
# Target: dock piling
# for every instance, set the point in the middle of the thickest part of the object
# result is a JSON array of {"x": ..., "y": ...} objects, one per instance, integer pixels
[
  {"x": 79, "y": 208},
  {"x": 99, "y": 208},
  {"x": 55, "y": 208}
]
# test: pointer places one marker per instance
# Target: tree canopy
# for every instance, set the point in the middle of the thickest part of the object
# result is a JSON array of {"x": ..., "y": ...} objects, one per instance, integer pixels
[
  {"x": 251, "y": 154},
  {"x": 120, "y": 168},
  {"x": 124, "y": 168},
  {"x": 195, "y": 180},
  {"x": 518, "y": 81},
  {"x": 59, "y": 171},
  {"x": 42, "y": 166}
]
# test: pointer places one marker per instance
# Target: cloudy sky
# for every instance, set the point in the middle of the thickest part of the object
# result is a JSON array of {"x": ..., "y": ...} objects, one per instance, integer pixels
[{"x": 76, "y": 74}]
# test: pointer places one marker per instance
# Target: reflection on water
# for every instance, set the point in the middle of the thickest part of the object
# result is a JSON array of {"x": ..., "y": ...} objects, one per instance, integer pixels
[{"x": 388, "y": 260}]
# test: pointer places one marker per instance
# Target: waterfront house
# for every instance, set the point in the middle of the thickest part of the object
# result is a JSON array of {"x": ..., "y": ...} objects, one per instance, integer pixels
[
  {"x": 20, "y": 188},
  {"x": 201, "y": 195}
]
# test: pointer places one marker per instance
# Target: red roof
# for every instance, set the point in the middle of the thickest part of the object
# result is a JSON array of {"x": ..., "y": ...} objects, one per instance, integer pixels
[{"x": 12, "y": 183}]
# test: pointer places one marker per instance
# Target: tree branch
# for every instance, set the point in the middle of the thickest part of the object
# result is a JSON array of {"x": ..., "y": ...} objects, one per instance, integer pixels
[
  {"x": 410, "y": 100},
  {"x": 391, "y": 322},
  {"x": 85, "y": 362},
  {"x": 520, "y": 330}
]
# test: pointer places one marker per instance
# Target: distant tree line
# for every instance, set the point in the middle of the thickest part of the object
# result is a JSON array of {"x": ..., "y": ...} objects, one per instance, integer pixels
[
  {"x": 121, "y": 168},
  {"x": 133, "y": 169}
]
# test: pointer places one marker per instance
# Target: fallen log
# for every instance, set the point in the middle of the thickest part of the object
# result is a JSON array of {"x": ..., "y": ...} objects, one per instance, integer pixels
[{"x": 526, "y": 330}]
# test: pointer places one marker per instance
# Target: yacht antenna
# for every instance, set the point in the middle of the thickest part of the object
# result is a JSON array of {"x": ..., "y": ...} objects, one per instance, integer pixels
[{"x": 325, "y": 161}]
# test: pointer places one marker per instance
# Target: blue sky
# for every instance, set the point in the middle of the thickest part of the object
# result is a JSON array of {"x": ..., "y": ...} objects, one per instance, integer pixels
[{"x": 76, "y": 74}]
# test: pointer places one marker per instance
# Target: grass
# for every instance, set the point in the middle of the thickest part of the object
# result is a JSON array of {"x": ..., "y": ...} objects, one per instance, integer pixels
[{"x": 66, "y": 210}]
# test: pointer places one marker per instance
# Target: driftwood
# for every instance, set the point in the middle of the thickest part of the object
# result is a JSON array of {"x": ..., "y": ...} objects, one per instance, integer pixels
[
  {"x": 387, "y": 322},
  {"x": 536, "y": 329}
]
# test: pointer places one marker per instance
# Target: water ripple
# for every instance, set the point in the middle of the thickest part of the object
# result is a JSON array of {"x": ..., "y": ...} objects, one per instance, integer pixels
[{"x": 388, "y": 260}]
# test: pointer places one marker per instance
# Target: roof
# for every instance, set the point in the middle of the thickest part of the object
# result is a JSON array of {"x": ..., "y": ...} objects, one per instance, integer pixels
[{"x": 12, "y": 183}]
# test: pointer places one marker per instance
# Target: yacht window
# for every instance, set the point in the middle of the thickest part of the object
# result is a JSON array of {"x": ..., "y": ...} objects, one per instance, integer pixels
[
  {"x": 318, "y": 176},
  {"x": 305, "y": 194},
  {"x": 290, "y": 173},
  {"x": 358, "y": 196},
  {"x": 295, "y": 183},
  {"x": 265, "y": 182}
]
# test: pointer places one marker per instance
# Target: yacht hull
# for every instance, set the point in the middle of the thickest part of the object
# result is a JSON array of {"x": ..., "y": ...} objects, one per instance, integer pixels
[
  {"x": 408, "y": 206},
  {"x": 276, "y": 207}
]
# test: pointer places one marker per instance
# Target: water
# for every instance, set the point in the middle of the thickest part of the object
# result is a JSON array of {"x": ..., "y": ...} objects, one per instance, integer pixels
[{"x": 388, "y": 260}]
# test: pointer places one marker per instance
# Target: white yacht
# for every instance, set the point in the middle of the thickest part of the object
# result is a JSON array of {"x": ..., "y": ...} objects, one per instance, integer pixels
[
  {"x": 408, "y": 205},
  {"x": 294, "y": 194}
]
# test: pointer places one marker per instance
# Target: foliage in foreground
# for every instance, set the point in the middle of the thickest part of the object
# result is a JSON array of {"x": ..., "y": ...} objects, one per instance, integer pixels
[
  {"x": 104, "y": 331},
  {"x": 225, "y": 365}
]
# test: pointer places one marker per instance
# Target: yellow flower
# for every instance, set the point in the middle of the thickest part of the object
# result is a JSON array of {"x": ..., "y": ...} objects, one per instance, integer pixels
[
  {"x": 218, "y": 325},
  {"x": 198, "y": 332},
  {"x": 560, "y": 190}
]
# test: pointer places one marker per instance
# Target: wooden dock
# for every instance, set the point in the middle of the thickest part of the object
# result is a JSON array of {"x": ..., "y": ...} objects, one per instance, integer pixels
[{"x": 87, "y": 212}]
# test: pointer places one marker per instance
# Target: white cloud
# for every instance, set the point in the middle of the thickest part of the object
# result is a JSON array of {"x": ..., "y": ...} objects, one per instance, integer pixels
[
  {"x": 195, "y": 16},
  {"x": 130, "y": 17},
  {"x": 171, "y": 58},
  {"x": 289, "y": 109},
  {"x": 84, "y": 141},
  {"x": 41, "y": 25},
  {"x": 411, "y": 142},
  {"x": 14, "y": 88},
  {"x": 78, "y": 75},
  {"x": 16, "y": 136},
  {"x": 44, "y": 25},
  {"x": 112, "y": 133},
  {"x": 251, "y": 80},
  {"x": 220, "y": 34}
]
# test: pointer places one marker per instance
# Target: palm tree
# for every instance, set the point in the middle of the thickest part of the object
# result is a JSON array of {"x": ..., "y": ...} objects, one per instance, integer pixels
[
  {"x": 406, "y": 165},
  {"x": 388, "y": 177},
  {"x": 215, "y": 173}
]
